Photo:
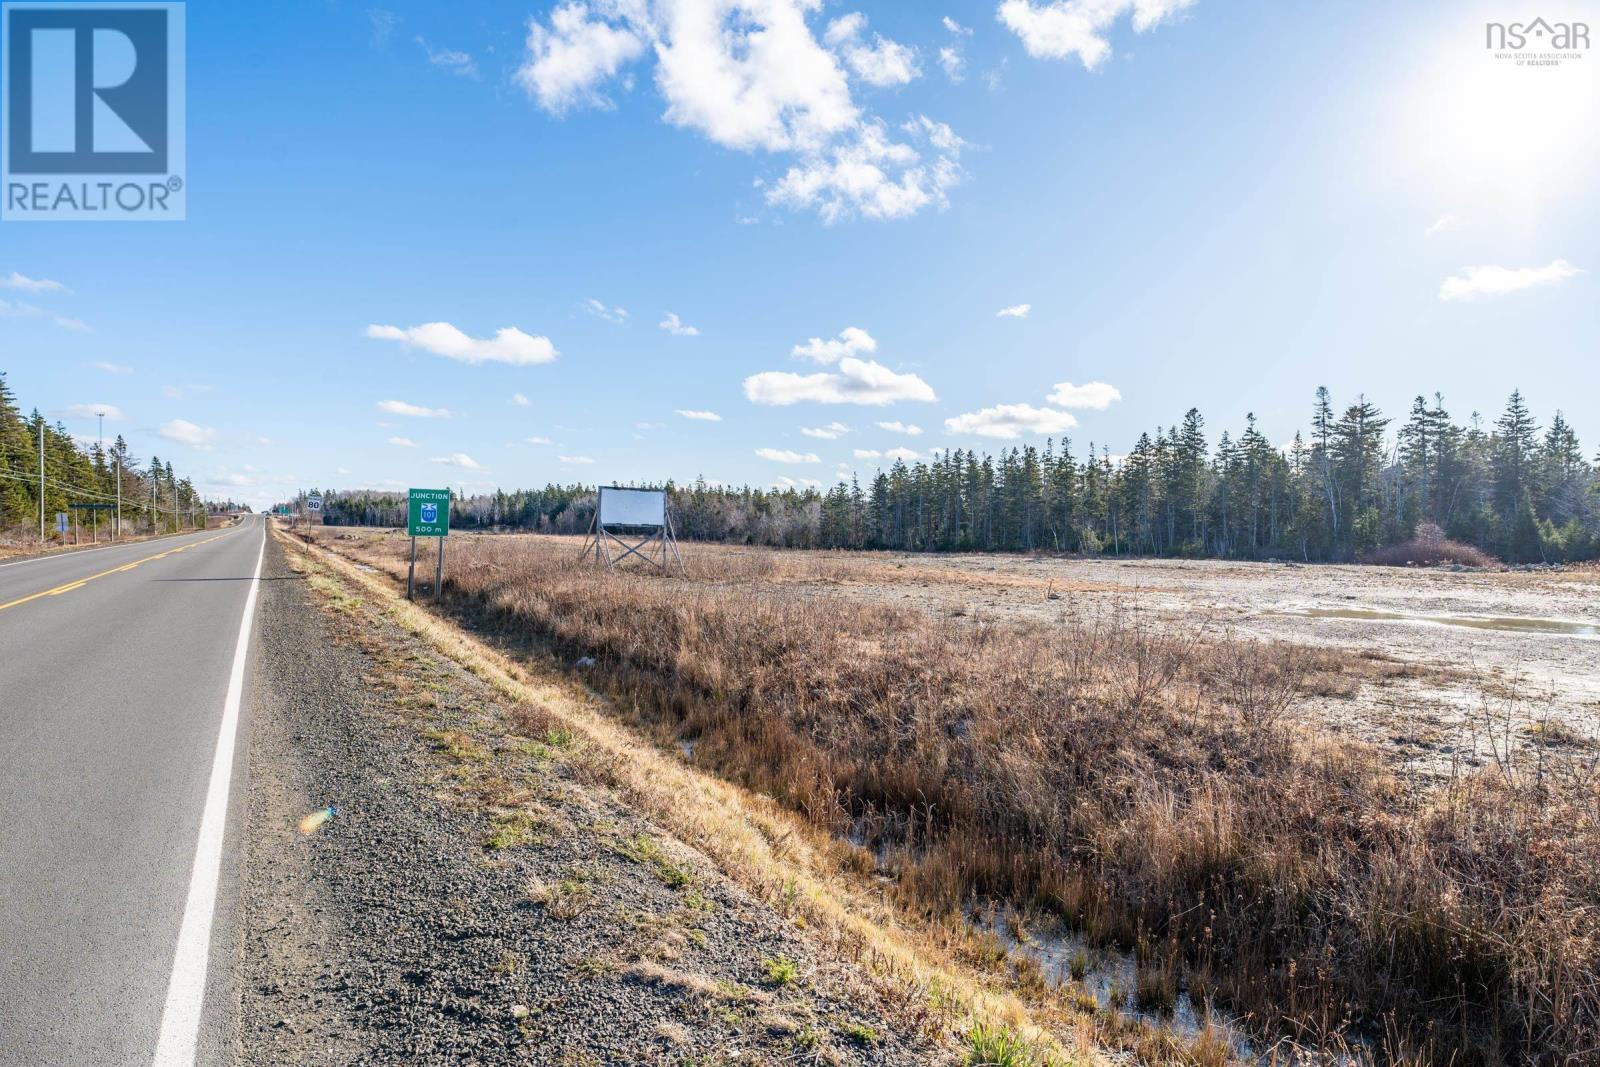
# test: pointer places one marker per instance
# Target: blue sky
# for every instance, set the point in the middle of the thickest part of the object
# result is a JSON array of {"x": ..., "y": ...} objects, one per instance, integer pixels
[{"x": 1206, "y": 204}]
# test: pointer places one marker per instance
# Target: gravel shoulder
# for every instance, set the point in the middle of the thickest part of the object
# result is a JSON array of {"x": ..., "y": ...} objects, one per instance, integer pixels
[{"x": 478, "y": 897}]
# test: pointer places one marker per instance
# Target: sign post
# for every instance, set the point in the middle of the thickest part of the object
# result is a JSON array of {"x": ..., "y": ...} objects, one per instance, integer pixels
[
  {"x": 61, "y": 522},
  {"x": 427, "y": 515},
  {"x": 77, "y": 505}
]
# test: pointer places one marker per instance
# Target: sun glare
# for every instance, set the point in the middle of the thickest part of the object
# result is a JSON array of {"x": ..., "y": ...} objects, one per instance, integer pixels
[{"x": 1488, "y": 126}]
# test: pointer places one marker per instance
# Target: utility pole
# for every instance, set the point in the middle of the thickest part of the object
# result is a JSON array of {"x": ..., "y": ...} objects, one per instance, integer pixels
[
  {"x": 100, "y": 447},
  {"x": 41, "y": 479},
  {"x": 117, "y": 466}
]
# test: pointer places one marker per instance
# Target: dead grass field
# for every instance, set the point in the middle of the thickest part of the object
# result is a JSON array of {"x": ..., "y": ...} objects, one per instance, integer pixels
[{"x": 1163, "y": 754}]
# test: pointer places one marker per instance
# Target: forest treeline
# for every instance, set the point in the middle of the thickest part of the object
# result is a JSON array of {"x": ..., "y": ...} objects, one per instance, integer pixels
[
  {"x": 1355, "y": 481},
  {"x": 153, "y": 496}
]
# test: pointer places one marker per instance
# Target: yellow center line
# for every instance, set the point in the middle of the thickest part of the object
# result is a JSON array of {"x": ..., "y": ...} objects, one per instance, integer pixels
[{"x": 79, "y": 583}]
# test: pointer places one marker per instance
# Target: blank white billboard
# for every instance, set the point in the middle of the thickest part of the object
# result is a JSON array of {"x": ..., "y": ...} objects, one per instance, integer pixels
[{"x": 632, "y": 507}]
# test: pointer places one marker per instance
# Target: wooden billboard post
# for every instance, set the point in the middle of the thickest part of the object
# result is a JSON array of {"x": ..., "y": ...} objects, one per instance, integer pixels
[{"x": 622, "y": 514}]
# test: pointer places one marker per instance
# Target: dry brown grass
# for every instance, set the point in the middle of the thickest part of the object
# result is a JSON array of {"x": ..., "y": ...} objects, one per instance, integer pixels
[{"x": 1148, "y": 785}]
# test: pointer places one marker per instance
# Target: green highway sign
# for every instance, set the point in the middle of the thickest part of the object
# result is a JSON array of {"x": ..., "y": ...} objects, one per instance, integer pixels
[{"x": 428, "y": 514}]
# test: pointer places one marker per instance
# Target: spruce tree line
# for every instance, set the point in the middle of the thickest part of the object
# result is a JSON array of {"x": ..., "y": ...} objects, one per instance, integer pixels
[
  {"x": 1354, "y": 482},
  {"x": 76, "y": 473}
]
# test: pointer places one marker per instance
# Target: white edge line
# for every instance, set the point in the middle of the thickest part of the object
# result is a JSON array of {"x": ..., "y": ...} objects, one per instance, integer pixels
[{"x": 178, "y": 1042}]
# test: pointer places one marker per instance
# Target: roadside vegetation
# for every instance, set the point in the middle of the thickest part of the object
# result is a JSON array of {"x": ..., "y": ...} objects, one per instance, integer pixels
[
  {"x": 1155, "y": 789},
  {"x": 154, "y": 498}
]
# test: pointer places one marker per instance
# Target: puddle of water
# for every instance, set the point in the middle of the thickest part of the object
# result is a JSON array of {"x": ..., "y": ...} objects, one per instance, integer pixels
[
  {"x": 1109, "y": 976},
  {"x": 1509, "y": 623}
]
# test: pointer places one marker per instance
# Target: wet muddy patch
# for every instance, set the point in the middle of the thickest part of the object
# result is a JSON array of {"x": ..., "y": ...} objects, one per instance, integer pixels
[{"x": 1506, "y": 623}]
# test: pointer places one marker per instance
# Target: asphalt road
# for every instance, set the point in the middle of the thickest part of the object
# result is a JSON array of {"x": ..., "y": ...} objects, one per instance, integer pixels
[{"x": 116, "y": 667}]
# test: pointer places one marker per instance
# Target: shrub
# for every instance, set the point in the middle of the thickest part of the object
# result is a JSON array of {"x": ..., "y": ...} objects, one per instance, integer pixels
[{"x": 1429, "y": 548}]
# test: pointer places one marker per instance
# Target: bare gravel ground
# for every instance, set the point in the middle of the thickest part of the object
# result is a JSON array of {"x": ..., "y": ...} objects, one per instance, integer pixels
[
  {"x": 1476, "y": 682},
  {"x": 477, "y": 898}
]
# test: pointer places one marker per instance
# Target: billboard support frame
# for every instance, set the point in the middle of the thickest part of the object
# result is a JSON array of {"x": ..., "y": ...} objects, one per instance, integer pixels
[{"x": 612, "y": 543}]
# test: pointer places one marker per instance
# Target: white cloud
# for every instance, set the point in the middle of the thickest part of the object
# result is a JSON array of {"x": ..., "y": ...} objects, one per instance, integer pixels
[
  {"x": 610, "y": 314},
  {"x": 187, "y": 433},
  {"x": 953, "y": 64},
  {"x": 1496, "y": 281},
  {"x": 264, "y": 441},
  {"x": 852, "y": 341},
  {"x": 538, "y": 441},
  {"x": 566, "y": 63},
  {"x": 30, "y": 285},
  {"x": 1095, "y": 395},
  {"x": 955, "y": 27},
  {"x": 451, "y": 60},
  {"x": 855, "y": 382},
  {"x": 831, "y": 432},
  {"x": 785, "y": 482},
  {"x": 699, "y": 416},
  {"x": 881, "y": 63},
  {"x": 10, "y": 310},
  {"x": 508, "y": 345},
  {"x": 872, "y": 176},
  {"x": 1441, "y": 224},
  {"x": 520, "y": 400},
  {"x": 230, "y": 480},
  {"x": 750, "y": 75},
  {"x": 1015, "y": 311},
  {"x": 402, "y": 442},
  {"x": 783, "y": 455},
  {"x": 677, "y": 327},
  {"x": 906, "y": 454},
  {"x": 416, "y": 411},
  {"x": 579, "y": 460},
  {"x": 112, "y": 368},
  {"x": 1009, "y": 421},
  {"x": 88, "y": 411},
  {"x": 383, "y": 24},
  {"x": 1059, "y": 29},
  {"x": 901, "y": 427},
  {"x": 460, "y": 460},
  {"x": 937, "y": 134}
]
